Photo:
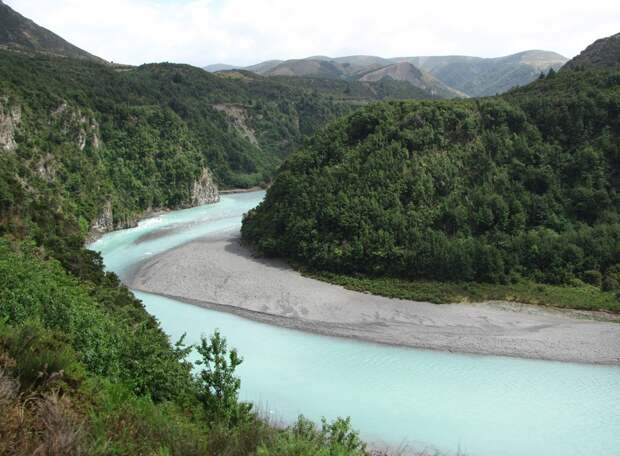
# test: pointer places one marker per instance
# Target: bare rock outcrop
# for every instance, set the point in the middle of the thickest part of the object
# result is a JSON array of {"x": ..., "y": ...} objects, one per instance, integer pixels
[
  {"x": 238, "y": 116},
  {"x": 78, "y": 126},
  {"x": 10, "y": 118},
  {"x": 204, "y": 190},
  {"x": 105, "y": 221}
]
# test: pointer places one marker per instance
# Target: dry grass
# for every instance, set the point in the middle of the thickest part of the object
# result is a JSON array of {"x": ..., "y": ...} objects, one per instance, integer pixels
[{"x": 31, "y": 424}]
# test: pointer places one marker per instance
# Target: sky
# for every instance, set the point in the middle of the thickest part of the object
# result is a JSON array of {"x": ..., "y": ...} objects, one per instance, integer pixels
[{"x": 243, "y": 32}]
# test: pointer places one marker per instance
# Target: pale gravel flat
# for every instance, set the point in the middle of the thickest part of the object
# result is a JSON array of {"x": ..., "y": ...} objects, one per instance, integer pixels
[{"x": 217, "y": 272}]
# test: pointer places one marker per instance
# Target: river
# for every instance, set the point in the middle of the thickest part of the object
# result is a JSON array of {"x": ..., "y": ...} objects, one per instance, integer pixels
[{"x": 475, "y": 405}]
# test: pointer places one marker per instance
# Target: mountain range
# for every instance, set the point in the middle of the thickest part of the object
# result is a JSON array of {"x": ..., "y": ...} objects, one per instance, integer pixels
[{"x": 443, "y": 76}]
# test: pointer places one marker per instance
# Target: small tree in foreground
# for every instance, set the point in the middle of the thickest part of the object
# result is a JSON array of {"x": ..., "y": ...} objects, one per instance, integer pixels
[{"x": 218, "y": 385}]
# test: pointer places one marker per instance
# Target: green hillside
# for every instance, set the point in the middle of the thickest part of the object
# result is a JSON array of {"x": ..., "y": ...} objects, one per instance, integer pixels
[
  {"x": 140, "y": 138},
  {"x": 84, "y": 369},
  {"x": 523, "y": 187}
]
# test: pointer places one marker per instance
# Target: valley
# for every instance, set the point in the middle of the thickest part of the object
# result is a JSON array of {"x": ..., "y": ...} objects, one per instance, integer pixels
[{"x": 412, "y": 255}]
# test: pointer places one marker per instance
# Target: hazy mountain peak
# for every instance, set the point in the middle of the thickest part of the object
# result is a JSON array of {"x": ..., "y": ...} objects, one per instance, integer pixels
[
  {"x": 604, "y": 52},
  {"x": 20, "y": 33}
]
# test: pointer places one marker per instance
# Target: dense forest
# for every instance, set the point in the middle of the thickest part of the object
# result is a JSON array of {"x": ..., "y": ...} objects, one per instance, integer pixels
[
  {"x": 140, "y": 137},
  {"x": 83, "y": 368},
  {"x": 525, "y": 186}
]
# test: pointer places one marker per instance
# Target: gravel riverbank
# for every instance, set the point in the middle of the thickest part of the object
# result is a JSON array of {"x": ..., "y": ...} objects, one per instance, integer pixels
[{"x": 217, "y": 272}]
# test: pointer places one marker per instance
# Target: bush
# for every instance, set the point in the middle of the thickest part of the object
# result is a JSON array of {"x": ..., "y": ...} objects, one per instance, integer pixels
[
  {"x": 611, "y": 282},
  {"x": 594, "y": 278},
  {"x": 217, "y": 383}
]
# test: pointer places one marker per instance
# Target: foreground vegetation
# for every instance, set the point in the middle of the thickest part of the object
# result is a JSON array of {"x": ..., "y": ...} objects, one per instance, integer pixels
[
  {"x": 85, "y": 370},
  {"x": 518, "y": 189}
]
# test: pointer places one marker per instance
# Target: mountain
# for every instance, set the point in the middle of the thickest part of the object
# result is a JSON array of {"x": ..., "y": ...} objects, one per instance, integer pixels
[
  {"x": 220, "y": 67},
  {"x": 363, "y": 69},
  {"x": 20, "y": 33},
  {"x": 310, "y": 68},
  {"x": 263, "y": 67},
  {"x": 407, "y": 72},
  {"x": 600, "y": 54},
  {"x": 445, "y": 76},
  {"x": 477, "y": 76},
  {"x": 520, "y": 188}
]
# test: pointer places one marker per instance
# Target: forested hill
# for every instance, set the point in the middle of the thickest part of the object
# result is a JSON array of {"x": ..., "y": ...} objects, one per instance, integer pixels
[
  {"x": 522, "y": 186},
  {"x": 140, "y": 138}
]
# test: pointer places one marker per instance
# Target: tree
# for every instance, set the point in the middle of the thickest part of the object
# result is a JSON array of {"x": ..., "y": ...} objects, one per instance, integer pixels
[{"x": 218, "y": 385}]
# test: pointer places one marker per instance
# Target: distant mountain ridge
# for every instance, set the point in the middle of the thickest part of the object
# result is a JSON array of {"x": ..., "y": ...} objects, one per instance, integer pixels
[
  {"x": 603, "y": 53},
  {"x": 20, "y": 33},
  {"x": 445, "y": 76},
  {"x": 405, "y": 71}
]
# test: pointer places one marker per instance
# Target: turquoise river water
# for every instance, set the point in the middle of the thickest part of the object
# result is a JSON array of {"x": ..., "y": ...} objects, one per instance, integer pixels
[{"x": 475, "y": 405}]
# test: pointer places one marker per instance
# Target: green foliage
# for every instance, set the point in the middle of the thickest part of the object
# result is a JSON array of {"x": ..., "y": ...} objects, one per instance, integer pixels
[
  {"x": 113, "y": 372},
  {"x": 43, "y": 358},
  {"x": 119, "y": 342},
  {"x": 524, "y": 186},
  {"x": 303, "y": 438},
  {"x": 611, "y": 282},
  {"x": 576, "y": 295},
  {"x": 88, "y": 134},
  {"x": 217, "y": 383}
]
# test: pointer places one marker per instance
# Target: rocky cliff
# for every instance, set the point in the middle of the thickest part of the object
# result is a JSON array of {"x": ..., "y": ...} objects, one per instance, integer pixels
[
  {"x": 10, "y": 118},
  {"x": 204, "y": 190}
]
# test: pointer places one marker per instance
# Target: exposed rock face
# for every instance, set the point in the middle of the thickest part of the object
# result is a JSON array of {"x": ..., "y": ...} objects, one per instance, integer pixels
[
  {"x": 204, "y": 190},
  {"x": 105, "y": 222},
  {"x": 238, "y": 115},
  {"x": 46, "y": 168},
  {"x": 10, "y": 118},
  {"x": 77, "y": 125}
]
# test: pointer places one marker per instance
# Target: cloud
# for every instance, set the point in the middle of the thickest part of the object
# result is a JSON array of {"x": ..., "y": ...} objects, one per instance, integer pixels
[{"x": 247, "y": 31}]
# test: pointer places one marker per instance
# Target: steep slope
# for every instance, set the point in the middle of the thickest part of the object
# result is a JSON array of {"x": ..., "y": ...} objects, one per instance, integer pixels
[
  {"x": 602, "y": 53},
  {"x": 520, "y": 187},
  {"x": 18, "y": 32},
  {"x": 407, "y": 72},
  {"x": 118, "y": 143}
]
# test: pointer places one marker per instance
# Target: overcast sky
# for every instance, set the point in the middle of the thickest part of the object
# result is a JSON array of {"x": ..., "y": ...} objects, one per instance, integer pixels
[{"x": 243, "y": 32}]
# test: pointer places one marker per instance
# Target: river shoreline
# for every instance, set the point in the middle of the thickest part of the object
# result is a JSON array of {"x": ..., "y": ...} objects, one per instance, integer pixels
[{"x": 270, "y": 292}]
